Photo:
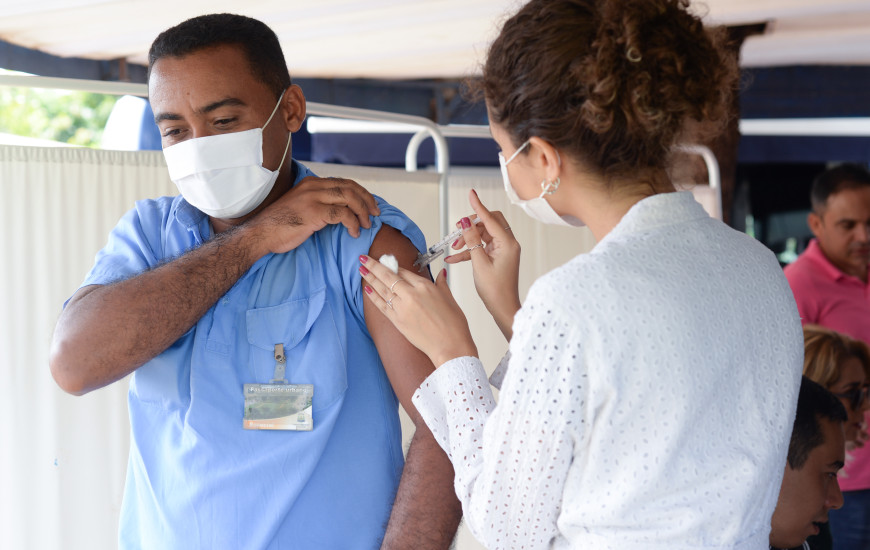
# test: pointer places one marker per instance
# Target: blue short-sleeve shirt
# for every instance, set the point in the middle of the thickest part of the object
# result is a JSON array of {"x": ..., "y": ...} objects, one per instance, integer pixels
[{"x": 196, "y": 478}]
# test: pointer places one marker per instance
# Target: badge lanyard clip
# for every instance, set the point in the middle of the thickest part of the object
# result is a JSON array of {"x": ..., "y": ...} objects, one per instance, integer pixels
[
  {"x": 280, "y": 364},
  {"x": 279, "y": 405}
]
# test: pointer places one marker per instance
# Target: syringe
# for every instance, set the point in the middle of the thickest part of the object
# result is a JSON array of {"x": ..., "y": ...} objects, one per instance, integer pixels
[{"x": 439, "y": 248}]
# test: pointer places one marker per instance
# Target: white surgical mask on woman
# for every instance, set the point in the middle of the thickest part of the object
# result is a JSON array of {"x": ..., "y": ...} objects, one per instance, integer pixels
[
  {"x": 537, "y": 208},
  {"x": 223, "y": 175}
]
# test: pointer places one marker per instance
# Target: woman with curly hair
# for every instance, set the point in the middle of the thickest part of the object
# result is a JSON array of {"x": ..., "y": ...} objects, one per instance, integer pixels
[{"x": 650, "y": 386}]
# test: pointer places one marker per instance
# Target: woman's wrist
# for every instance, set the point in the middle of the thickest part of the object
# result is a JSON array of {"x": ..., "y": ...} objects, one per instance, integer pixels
[
  {"x": 442, "y": 356},
  {"x": 504, "y": 318}
]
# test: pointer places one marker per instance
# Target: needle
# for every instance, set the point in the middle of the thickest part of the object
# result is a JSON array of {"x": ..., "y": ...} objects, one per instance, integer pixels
[{"x": 439, "y": 248}]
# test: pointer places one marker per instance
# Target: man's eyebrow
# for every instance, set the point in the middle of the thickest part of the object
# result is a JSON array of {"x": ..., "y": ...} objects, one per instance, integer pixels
[
  {"x": 228, "y": 102},
  {"x": 166, "y": 116}
]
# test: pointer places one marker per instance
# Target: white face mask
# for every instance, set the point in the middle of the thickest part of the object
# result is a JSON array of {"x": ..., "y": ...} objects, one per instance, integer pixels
[
  {"x": 223, "y": 175},
  {"x": 537, "y": 208}
]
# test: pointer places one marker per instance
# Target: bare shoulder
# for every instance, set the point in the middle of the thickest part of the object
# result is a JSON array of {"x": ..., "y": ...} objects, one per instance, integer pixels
[{"x": 390, "y": 240}]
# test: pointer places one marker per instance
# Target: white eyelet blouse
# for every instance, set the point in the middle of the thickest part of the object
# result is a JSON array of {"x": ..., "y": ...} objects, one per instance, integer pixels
[{"x": 648, "y": 400}]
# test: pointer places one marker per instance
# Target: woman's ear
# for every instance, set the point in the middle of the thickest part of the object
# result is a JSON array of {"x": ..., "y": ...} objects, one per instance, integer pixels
[
  {"x": 293, "y": 108},
  {"x": 546, "y": 158}
]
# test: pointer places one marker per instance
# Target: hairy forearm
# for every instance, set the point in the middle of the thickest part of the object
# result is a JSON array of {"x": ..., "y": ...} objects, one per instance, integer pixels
[
  {"x": 108, "y": 331},
  {"x": 426, "y": 513}
]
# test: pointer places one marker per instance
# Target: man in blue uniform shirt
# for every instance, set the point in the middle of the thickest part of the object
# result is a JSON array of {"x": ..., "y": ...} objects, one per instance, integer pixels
[{"x": 249, "y": 282}]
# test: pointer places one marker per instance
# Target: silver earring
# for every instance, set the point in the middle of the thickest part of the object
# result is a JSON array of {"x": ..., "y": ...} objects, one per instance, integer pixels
[{"x": 549, "y": 187}]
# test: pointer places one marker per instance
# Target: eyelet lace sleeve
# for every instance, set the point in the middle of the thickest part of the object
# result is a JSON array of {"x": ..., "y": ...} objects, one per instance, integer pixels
[
  {"x": 511, "y": 461},
  {"x": 496, "y": 379}
]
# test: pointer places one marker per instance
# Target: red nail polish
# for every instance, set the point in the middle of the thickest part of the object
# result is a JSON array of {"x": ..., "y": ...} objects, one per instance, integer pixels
[
  {"x": 363, "y": 270},
  {"x": 444, "y": 273},
  {"x": 454, "y": 243},
  {"x": 466, "y": 223},
  {"x": 363, "y": 259},
  {"x": 368, "y": 289}
]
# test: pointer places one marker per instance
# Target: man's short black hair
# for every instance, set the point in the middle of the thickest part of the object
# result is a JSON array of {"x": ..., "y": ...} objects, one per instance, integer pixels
[
  {"x": 814, "y": 403},
  {"x": 829, "y": 182},
  {"x": 257, "y": 40}
]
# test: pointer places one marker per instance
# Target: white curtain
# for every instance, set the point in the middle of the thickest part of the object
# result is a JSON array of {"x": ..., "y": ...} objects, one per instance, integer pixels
[{"x": 63, "y": 458}]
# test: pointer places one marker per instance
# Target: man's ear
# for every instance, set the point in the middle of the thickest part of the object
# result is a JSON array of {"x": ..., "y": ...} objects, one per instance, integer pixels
[
  {"x": 293, "y": 108},
  {"x": 546, "y": 157},
  {"x": 815, "y": 222}
]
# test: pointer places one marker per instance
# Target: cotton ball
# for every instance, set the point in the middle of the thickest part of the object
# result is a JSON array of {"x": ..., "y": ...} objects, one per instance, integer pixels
[{"x": 389, "y": 261}]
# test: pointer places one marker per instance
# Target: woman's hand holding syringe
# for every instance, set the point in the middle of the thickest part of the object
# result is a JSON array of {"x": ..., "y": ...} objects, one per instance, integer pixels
[
  {"x": 495, "y": 259},
  {"x": 425, "y": 311},
  {"x": 439, "y": 248}
]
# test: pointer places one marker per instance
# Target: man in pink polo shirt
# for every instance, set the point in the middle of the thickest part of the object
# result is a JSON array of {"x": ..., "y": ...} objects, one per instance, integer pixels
[{"x": 829, "y": 282}]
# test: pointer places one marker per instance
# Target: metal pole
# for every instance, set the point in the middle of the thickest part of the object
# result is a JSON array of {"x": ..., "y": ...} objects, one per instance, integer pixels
[{"x": 713, "y": 176}]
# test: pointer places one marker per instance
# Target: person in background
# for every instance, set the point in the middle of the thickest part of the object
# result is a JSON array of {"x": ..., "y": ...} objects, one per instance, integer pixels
[
  {"x": 830, "y": 285},
  {"x": 650, "y": 387},
  {"x": 842, "y": 366},
  {"x": 815, "y": 455},
  {"x": 263, "y": 398}
]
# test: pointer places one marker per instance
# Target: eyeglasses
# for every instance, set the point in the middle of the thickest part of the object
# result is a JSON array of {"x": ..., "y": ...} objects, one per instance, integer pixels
[{"x": 856, "y": 396}]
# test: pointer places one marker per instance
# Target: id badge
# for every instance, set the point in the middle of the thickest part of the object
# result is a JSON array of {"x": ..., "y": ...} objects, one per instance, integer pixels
[{"x": 278, "y": 407}]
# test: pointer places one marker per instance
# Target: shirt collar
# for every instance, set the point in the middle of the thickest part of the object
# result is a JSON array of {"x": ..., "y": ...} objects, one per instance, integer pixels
[
  {"x": 814, "y": 253},
  {"x": 659, "y": 210},
  {"x": 187, "y": 215}
]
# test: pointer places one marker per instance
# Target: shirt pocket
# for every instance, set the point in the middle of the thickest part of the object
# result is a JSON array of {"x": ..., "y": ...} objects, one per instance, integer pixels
[{"x": 314, "y": 351}]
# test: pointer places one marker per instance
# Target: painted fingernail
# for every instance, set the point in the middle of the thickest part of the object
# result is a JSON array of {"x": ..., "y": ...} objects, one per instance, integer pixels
[
  {"x": 444, "y": 273},
  {"x": 455, "y": 243},
  {"x": 368, "y": 289},
  {"x": 363, "y": 270},
  {"x": 466, "y": 223},
  {"x": 363, "y": 259}
]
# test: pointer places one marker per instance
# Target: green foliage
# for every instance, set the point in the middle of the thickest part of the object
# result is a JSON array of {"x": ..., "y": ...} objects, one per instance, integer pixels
[{"x": 71, "y": 117}]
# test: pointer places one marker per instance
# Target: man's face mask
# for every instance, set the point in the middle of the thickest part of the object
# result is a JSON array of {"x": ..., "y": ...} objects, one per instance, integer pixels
[{"x": 223, "y": 175}]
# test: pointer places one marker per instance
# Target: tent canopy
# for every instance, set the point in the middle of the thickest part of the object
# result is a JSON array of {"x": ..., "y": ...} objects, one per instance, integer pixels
[{"x": 406, "y": 39}]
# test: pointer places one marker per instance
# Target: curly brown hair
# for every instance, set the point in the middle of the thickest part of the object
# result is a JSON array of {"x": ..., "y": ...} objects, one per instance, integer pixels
[{"x": 615, "y": 83}]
